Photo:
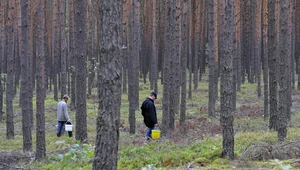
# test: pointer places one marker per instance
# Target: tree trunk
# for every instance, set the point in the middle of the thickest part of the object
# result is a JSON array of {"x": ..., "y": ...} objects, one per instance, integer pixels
[
  {"x": 133, "y": 64},
  {"x": 154, "y": 58},
  {"x": 265, "y": 58},
  {"x": 184, "y": 53},
  {"x": 109, "y": 86},
  {"x": 63, "y": 49},
  {"x": 190, "y": 50},
  {"x": 258, "y": 44},
  {"x": 55, "y": 47},
  {"x": 226, "y": 119},
  {"x": 283, "y": 69},
  {"x": 10, "y": 72},
  {"x": 211, "y": 59},
  {"x": 80, "y": 82},
  {"x": 272, "y": 55},
  {"x": 1, "y": 57},
  {"x": 91, "y": 47},
  {"x": 26, "y": 126},
  {"x": 40, "y": 81},
  {"x": 30, "y": 74},
  {"x": 71, "y": 53}
]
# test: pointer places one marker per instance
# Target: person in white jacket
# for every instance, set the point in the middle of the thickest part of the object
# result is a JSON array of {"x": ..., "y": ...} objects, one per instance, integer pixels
[{"x": 63, "y": 115}]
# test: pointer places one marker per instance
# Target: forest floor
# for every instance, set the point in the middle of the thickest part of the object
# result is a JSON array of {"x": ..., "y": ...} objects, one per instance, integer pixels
[{"x": 200, "y": 147}]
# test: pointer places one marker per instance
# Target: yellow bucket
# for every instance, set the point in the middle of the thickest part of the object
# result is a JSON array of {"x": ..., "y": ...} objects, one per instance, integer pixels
[{"x": 155, "y": 134}]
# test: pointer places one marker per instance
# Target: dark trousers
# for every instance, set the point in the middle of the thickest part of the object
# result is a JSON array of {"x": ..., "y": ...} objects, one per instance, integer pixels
[{"x": 60, "y": 126}]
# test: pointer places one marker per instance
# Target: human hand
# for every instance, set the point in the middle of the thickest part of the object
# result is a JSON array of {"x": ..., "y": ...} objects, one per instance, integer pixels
[{"x": 156, "y": 125}]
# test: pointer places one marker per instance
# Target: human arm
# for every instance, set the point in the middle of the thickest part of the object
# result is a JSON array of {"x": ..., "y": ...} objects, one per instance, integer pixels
[{"x": 67, "y": 113}]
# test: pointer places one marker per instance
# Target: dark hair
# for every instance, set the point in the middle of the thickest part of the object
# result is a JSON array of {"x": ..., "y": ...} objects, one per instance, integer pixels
[{"x": 153, "y": 94}]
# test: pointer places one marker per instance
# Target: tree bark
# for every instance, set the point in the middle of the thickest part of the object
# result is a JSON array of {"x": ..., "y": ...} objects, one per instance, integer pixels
[
  {"x": 133, "y": 65},
  {"x": 211, "y": 58},
  {"x": 283, "y": 69},
  {"x": 63, "y": 48},
  {"x": 272, "y": 55},
  {"x": 226, "y": 119},
  {"x": 265, "y": 58},
  {"x": 80, "y": 67},
  {"x": 154, "y": 58},
  {"x": 1, "y": 56},
  {"x": 40, "y": 81},
  {"x": 184, "y": 53},
  {"x": 109, "y": 86},
  {"x": 72, "y": 54},
  {"x": 26, "y": 127},
  {"x": 10, "y": 72}
]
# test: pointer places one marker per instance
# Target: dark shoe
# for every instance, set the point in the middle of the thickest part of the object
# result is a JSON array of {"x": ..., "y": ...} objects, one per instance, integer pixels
[{"x": 58, "y": 134}]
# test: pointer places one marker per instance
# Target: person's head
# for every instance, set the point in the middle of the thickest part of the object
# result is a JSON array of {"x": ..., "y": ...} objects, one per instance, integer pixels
[
  {"x": 153, "y": 95},
  {"x": 65, "y": 98}
]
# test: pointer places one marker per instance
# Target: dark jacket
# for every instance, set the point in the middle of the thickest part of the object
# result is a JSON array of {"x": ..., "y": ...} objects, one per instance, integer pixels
[{"x": 149, "y": 113}]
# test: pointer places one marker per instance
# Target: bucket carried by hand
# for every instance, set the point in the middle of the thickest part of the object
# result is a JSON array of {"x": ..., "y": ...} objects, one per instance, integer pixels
[
  {"x": 68, "y": 127},
  {"x": 155, "y": 133}
]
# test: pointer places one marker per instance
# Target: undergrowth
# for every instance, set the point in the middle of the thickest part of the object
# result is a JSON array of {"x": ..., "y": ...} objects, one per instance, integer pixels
[{"x": 199, "y": 147}]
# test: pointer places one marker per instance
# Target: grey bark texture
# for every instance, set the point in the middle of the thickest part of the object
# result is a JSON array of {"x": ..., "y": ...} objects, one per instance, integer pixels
[
  {"x": 226, "y": 117},
  {"x": 26, "y": 127},
  {"x": 272, "y": 55},
  {"x": 80, "y": 67},
  {"x": 40, "y": 81},
  {"x": 10, "y": 72},
  {"x": 109, "y": 86}
]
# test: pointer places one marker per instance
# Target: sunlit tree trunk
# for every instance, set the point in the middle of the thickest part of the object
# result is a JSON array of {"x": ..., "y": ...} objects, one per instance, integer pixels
[
  {"x": 109, "y": 86},
  {"x": 40, "y": 80}
]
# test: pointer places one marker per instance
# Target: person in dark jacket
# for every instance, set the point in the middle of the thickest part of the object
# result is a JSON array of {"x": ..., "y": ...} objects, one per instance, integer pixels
[{"x": 149, "y": 114}]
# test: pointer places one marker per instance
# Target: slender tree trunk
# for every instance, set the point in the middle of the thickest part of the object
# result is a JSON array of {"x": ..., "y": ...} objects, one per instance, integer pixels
[
  {"x": 40, "y": 81},
  {"x": 1, "y": 56},
  {"x": 211, "y": 59},
  {"x": 154, "y": 58},
  {"x": 109, "y": 86},
  {"x": 184, "y": 52},
  {"x": 265, "y": 58},
  {"x": 258, "y": 44},
  {"x": 30, "y": 77},
  {"x": 226, "y": 119},
  {"x": 91, "y": 46},
  {"x": 26, "y": 126},
  {"x": 55, "y": 47},
  {"x": 10, "y": 72},
  {"x": 72, "y": 54},
  {"x": 190, "y": 50},
  {"x": 272, "y": 66},
  {"x": 80, "y": 84},
  {"x": 63, "y": 49},
  {"x": 133, "y": 64}
]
